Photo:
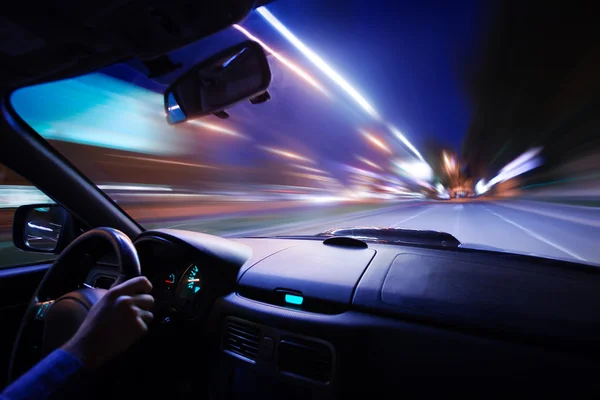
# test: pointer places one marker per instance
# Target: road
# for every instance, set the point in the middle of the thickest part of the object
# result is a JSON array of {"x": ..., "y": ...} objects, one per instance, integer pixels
[
  {"x": 530, "y": 227},
  {"x": 558, "y": 231}
]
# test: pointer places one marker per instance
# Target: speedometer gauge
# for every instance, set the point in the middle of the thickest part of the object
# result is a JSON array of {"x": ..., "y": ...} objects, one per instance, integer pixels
[{"x": 190, "y": 283}]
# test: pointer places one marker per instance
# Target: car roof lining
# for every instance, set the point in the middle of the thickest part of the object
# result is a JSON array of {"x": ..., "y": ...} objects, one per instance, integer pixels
[{"x": 45, "y": 41}]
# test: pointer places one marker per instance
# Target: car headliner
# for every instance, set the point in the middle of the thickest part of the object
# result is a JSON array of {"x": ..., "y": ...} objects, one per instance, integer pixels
[{"x": 44, "y": 41}]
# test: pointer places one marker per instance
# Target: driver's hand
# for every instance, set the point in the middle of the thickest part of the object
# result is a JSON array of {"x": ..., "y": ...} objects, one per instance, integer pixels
[{"x": 114, "y": 323}]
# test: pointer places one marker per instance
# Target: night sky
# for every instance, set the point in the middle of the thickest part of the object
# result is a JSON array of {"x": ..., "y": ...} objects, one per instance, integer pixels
[{"x": 406, "y": 59}]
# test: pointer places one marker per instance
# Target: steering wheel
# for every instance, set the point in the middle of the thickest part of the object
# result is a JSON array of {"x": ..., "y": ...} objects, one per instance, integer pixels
[{"x": 56, "y": 311}]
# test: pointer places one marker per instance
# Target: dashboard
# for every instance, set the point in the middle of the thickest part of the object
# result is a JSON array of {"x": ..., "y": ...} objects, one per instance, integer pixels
[
  {"x": 186, "y": 275},
  {"x": 314, "y": 318}
]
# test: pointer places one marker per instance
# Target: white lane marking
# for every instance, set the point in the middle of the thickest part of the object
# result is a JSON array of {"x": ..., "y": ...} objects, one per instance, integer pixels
[
  {"x": 538, "y": 237},
  {"x": 595, "y": 222},
  {"x": 457, "y": 223},
  {"x": 409, "y": 218}
]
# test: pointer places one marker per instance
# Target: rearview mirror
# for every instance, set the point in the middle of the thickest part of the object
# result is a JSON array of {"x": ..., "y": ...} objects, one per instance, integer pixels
[
  {"x": 238, "y": 73},
  {"x": 40, "y": 227}
]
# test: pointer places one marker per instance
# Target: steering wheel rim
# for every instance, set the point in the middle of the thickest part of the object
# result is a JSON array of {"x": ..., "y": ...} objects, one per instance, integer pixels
[{"x": 54, "y": 300}]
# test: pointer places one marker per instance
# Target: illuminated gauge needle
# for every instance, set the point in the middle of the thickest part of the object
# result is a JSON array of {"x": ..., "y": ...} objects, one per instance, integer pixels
[
  {"x": 194, "y": 280},
  {"x": 170, "y": 279}
]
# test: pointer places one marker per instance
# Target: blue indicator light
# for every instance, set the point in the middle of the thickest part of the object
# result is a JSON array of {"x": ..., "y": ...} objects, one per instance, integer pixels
[
  {"x": 196, "y": 289},
  {"x": 293, "y": 299}
]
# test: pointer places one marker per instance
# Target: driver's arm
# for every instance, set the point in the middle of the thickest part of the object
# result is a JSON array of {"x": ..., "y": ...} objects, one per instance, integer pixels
[
  {"x": 113, "y": 324},
  {"x": 46, "y": 379}
]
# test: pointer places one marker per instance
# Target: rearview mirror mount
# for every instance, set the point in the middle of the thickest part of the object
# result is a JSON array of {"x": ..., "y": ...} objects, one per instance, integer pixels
[{"x": 239, "y": 73}]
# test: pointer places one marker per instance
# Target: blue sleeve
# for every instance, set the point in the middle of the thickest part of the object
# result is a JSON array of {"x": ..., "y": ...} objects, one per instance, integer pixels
[{"x": 46, "y": 379}]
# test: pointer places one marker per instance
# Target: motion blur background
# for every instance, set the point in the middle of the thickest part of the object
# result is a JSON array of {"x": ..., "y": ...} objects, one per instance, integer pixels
[{"x": 477, "y": 120}]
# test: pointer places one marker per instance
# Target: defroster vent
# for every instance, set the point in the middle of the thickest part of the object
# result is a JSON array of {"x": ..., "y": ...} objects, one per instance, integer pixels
[{"x": 241, "y": 339}]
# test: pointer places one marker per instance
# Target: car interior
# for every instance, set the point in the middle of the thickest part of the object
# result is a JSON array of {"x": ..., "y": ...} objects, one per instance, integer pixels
[{"x": 329, "y": 316}]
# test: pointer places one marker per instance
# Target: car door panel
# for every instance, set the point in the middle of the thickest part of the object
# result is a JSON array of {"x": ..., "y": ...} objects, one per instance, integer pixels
[{"x": 17, "y": 286}]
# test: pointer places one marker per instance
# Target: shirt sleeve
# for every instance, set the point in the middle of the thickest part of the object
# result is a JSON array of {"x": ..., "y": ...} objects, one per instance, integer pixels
[{"x": 46, "y": 379}]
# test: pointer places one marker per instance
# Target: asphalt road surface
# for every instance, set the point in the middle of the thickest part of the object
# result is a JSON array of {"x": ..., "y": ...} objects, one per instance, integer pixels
[
  {"x": 526, "y": 227},
  {"x": 550, "y": 230}
]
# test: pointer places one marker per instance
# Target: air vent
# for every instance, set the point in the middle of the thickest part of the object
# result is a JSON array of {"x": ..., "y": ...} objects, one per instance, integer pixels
[
  {"x": 306, "y": 358},
  {"x": 241, "y": 339}
]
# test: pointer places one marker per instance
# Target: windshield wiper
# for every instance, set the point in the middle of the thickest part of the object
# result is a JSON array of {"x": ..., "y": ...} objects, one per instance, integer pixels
[{"x": 397, "y": 236}]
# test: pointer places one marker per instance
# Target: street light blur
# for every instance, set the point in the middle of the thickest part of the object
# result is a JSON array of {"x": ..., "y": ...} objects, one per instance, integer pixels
[
  {"x": 287, "y": 154},
  {"x": 217, "y": 128},
  {"x": 319, "y": 62},
  {"x": 310, "y": 169},
  {"x": 481, "y": 187},
  {"x": 376, "y": 141},
  {"x": 404, "y": 140},
  {"x": 299, "y": 71},
  {"x": 417, "y": 170},
  {"x": 449, "y": 162},
  {"x": 369, "y": 163}
]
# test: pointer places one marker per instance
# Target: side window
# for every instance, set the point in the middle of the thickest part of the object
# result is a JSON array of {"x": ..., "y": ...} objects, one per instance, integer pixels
[{"x": 14, "y": 192}]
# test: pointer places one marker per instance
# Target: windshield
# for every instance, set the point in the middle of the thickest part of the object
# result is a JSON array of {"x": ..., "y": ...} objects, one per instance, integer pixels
[{"x": 425, "y": 115}]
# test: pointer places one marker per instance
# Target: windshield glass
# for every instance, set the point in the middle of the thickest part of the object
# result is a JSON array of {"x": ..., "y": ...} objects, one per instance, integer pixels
[{"x": 426, "y": 115}]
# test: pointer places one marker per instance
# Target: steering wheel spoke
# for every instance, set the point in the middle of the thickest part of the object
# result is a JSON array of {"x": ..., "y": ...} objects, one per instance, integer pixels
[{"x": 41, "y": 309}]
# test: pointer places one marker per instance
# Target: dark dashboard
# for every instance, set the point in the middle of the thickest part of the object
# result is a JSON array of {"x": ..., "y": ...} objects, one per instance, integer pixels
[{"x": 307, "y": 318}]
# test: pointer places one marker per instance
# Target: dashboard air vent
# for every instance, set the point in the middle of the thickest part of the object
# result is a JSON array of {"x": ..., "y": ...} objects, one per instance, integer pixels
[
  {"x": 241, "y": 339},
  {"x": 306, "y": 358}
]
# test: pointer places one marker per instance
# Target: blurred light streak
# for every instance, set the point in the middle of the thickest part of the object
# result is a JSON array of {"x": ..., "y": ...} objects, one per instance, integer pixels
[
  {"x": 159, "y": 161},
  {"x": 42, "y": 228},
  {"x": 369, "y": 163},
  {"x": 299, "y": 71},
  {"x": 481, "y": 187},
  {"x": 310, "y": 169},
  {"x": 424, "y": 184},
  {"x": 449, "y": 162},
  {"x": 376, "y": 141},
  {"x": 527, "y": 166},
  {"x": 317, "y": 178},
  {"x": 98, "y": 110},
  {"x": 391, "y": 189},
  {"x": 520, "y": 160},
  {"x": 440, "y": 188},
  {"x": 135, "y": 188},
  {"x": 287, "y": 154},
  {"x": 12, "y": 196},
  {"x": 325, "y": 199},
  {"x": 404, "y": 140},
  {"x": 169, "y": 195},
  {"x": 416, "y": 169},
  {"x": 361, "y": 173},
  {"x": 394, "y": 181},
  {"x": 318, "y": 62},
  {"x": 523, "y": 163},
  {"x": 217, "y": 128}
]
